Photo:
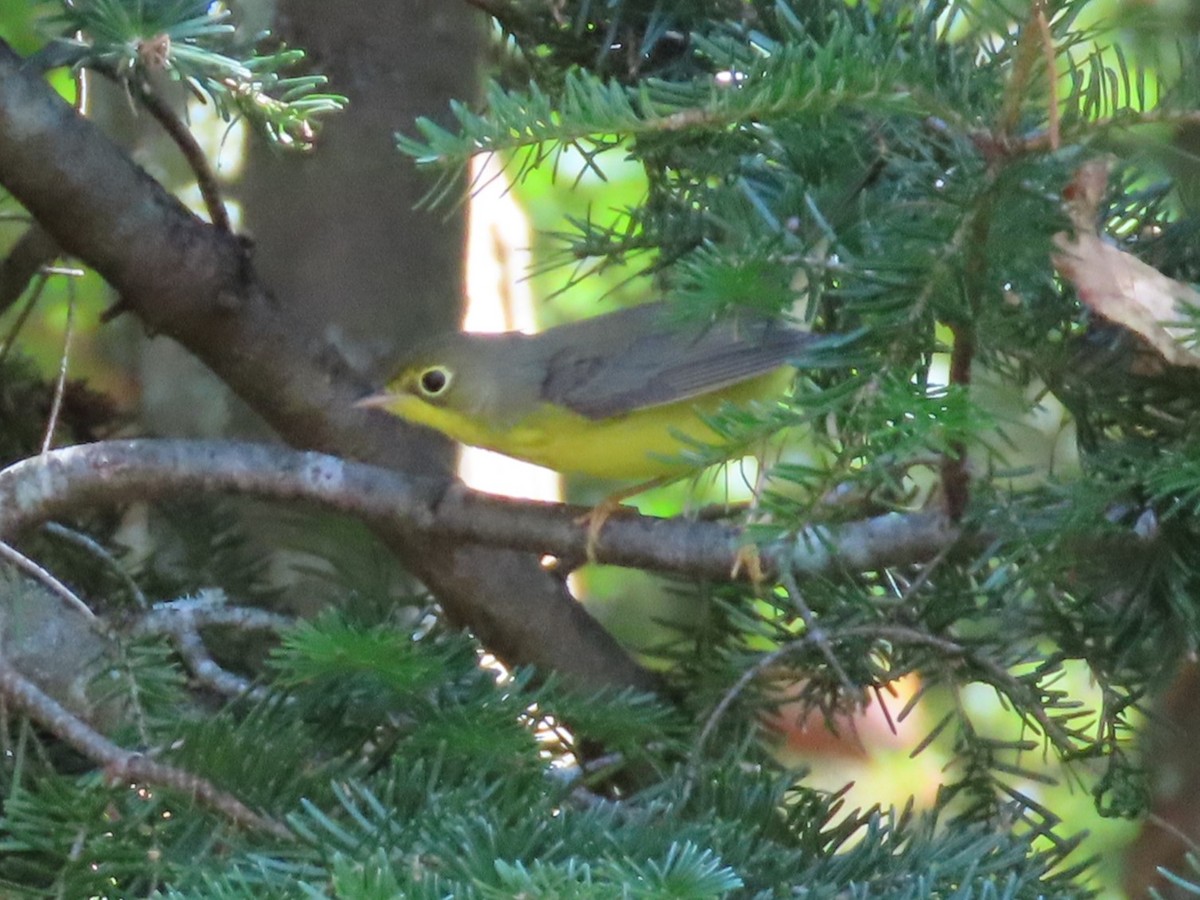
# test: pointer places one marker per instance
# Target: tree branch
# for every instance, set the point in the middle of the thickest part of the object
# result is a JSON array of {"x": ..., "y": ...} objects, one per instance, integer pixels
[
  {"x": 32, "y": 252},
  {"x": 193, "y": 153},
  {"x": 191, "y": 281},
  {"x": 122, "y": 764},
  {"x": 74, "y": 478},
  {"x": 181, "y": 621}
]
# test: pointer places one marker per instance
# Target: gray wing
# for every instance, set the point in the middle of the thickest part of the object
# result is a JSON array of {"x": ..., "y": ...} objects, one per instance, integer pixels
[{"x": 642, "y": 364}]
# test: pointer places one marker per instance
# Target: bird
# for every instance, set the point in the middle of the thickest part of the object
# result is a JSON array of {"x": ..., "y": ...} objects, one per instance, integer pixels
[{"x": 619, "y": 396}]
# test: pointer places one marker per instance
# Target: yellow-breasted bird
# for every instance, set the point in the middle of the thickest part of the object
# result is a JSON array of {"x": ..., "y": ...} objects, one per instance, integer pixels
[{"x": 616, "y": 396}]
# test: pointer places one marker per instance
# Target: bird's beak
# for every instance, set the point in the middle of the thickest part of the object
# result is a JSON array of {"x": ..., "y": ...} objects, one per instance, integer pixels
[{"x": 373, "y": 401}]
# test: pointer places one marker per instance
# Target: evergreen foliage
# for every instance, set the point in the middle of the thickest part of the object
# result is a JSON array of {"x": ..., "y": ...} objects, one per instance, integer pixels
[
  {"x": 886, "y": 171},
  {"x": 406, "y": 770},
  {"x": 194, "y": 42}
]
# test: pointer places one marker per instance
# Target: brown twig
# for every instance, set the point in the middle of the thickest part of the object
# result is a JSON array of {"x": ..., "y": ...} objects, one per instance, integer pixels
[
  {"x": 998, "y": 676},
  {"x": 714, "y": 718},
  {"x": 1027, "y": 50},
  {"x": 815, "y": 633},
  {"x": 181, "y": 621},
  {"x": 1042, "y": 24},
  {"x": 181, "y": 136},
  {"x": 60, "y": 384},
  {"x": 16, "y": 558},
  {"x": 192, "y": 152},
  {"x": 190, "y": 646},
  {"x": 98, "y": 550},
  {"x": 125, "y": 765}
]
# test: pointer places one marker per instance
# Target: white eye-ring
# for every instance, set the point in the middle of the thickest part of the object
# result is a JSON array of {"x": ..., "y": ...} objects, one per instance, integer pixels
[{"x": 434, "y": 381}]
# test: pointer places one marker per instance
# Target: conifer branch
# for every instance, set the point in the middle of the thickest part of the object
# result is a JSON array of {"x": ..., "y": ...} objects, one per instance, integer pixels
[
  {"x": 590, "y": 109},
  {"x": 113, "y": 472},
  {"x": 125, "y": 765}
]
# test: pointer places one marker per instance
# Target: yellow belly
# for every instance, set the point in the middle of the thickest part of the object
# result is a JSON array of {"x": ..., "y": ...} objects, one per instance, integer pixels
[{"x": 641, "y": 445}]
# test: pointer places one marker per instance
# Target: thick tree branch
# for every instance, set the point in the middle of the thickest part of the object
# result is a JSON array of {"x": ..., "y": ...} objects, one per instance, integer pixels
[
  {"x": 195, "y": 283},
  {"x": 75, "y": 478}
]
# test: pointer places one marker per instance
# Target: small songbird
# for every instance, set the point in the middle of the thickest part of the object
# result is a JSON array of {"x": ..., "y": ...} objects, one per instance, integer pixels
[{"x": 618, "y": 396}]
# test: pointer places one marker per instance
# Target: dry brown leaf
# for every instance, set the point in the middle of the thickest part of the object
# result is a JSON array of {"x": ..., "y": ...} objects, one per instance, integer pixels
[{"x": 1119, "y": 286}]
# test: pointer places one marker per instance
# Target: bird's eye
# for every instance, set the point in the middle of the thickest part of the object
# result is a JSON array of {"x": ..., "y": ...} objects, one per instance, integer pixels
[{"x": 434, "y": 381}]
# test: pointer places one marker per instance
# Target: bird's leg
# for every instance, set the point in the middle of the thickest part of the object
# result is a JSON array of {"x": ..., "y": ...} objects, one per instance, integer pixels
[
  {"x": 603, "y": 511},
  {"x": 748, "y": 559}
]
